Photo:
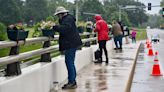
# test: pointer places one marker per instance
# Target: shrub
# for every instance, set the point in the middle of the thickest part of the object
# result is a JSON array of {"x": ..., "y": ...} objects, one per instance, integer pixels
[{"x": 3, "y": 33}]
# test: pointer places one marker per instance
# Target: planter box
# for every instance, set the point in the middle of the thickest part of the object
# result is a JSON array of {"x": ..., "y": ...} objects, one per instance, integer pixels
[
  {"x": 16, "y": 35},
  {"x": 80, "y": 29},
  {"x": 48, "y": 33}
]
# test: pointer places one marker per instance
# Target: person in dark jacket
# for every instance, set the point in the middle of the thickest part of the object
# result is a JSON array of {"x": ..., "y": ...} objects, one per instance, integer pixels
[
  {"x": 102, "y": 30},
  {"x": 69, "y": 41}
]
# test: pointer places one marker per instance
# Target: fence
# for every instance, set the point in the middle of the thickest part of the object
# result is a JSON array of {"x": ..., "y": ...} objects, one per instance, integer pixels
[{"x": 13, "y": 60}]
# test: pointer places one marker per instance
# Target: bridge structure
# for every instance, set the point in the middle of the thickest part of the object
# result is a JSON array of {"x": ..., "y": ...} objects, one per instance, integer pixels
[{"x": 28, "y": 76}]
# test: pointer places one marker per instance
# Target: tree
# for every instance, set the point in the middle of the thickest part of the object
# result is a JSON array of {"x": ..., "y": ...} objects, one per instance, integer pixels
[
  {"x": 135, "y": 17},
  {"x": 155, "y": 21},
  {"x": 92, "y": 6},
  {"x": 9, "y": 11},
  {"x": 162, "y": 3},
  {"x": 36, "y": 10}
]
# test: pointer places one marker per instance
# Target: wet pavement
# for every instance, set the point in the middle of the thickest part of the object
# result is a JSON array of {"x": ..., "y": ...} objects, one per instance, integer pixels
[
  {"x": 143, "y": 81},
  {"x": 107, "y": 78}
]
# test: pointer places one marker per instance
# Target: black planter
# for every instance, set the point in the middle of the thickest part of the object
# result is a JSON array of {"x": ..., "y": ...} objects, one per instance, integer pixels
[
  {"x": 16, "y": 35},
  {"x": 80, "y": 29},
  {"x": 48, "y": 32}
]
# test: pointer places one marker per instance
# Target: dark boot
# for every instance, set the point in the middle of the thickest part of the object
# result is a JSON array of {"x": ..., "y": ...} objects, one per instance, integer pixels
[
  {"x": 106, "y": 61},
  {"x": 70, "y": 85}
]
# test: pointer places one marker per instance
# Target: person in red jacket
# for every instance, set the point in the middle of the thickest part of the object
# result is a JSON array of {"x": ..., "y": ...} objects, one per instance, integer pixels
[{"x": 102, "y": 29}]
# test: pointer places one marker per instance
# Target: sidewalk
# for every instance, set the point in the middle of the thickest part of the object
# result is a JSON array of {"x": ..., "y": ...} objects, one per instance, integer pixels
[
  {"x": 143, "y": 81},
  {"x": 113, "y": 77}
]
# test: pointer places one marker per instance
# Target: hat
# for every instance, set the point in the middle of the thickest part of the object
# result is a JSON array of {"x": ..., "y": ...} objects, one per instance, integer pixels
[{"x": 60, "y": 9}]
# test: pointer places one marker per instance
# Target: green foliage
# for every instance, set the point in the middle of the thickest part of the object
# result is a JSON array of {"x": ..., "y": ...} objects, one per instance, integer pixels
[
  {"x": 162, "y": 3},
  {"x": 10, "y": 12},
  {"x": 13, "y": 11},
  {"x": 3, "y": 34},
  {"x": 37, "y": 32},
  {"x": 50, "y": 18},
  {"x": 155, "y": 21},
  {"x": 91, "y": 6},
  {"x": 36, "y": 10}
]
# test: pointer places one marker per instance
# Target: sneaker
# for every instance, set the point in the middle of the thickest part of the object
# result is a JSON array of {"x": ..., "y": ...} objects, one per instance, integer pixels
[{"x": 70, "y": 86}]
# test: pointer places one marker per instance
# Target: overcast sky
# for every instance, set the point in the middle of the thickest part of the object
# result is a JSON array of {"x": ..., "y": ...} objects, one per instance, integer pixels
[{"x": 154, "y": 10}]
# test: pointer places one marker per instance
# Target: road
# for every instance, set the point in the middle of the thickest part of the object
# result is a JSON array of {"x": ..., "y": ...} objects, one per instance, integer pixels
[{"x": 159, "y": 47}]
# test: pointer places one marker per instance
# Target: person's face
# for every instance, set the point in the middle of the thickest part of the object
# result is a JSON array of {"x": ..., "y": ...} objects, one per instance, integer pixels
[{"x": 60, "y": 16}]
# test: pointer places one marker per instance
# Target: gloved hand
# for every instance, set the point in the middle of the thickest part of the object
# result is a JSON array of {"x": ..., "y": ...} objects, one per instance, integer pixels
[{"x": 56, "y": 28}]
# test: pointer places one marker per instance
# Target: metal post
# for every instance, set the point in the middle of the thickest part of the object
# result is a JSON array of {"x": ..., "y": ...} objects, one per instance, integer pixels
[
  {"x": 95, "y": 41},
  {"x": 13, "y": 68},
  {"x": 119, "y": 13},
  {"x": 77, "y": 10},
  {"x": 46, "y": 57},
  {"x": 87, "y": 44}
]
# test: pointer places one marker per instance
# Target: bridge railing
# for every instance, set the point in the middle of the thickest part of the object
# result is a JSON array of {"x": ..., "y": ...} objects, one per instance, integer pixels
[{"x": 12, "y": 61}]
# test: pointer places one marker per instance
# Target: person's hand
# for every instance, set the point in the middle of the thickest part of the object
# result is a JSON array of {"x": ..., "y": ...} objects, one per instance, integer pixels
[
  {"x": 11, "y": 26},
  {"x": 56, "y": 27}
]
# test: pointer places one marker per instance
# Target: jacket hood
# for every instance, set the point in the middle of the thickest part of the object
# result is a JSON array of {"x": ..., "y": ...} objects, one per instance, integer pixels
[{"x": 98, "y": 17}]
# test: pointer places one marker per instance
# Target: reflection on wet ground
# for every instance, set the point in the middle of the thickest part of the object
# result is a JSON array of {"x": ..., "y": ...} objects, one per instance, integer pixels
[
  {"x": 143, "y": 81},
  {"x": 106, "y": 78}
]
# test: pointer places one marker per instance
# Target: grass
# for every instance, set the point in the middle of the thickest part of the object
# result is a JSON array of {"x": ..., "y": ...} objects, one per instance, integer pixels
[
  {"x": 25, "y": 48},
  {"x": 31, "y": 31},
  {"x": 141, "y": 34}
]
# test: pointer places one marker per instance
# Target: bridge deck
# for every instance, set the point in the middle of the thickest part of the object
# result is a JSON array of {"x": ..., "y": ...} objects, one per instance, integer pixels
[{"x": 107, "y": 78}]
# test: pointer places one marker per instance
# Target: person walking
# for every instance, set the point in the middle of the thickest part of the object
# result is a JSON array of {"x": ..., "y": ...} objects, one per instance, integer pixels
[
  {"x": 126, "y": 34},
  {"x": 133, "y": 35},
  {"x": 69, "y": 41},
  {"x": 102, "y": 29},
  {"x": 117, "y": 34}
]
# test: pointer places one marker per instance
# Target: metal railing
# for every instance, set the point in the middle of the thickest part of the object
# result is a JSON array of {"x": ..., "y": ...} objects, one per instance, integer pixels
[{"x": 13, "y": 60}]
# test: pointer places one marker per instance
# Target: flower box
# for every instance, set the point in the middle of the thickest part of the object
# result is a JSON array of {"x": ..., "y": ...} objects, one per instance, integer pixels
[
  {"x": 48, "y": 33},
  {"x": 16, "y": 35}
]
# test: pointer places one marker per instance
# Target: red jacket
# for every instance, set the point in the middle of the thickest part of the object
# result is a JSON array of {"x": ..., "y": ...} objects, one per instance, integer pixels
[{"x": 101, "y": 28}]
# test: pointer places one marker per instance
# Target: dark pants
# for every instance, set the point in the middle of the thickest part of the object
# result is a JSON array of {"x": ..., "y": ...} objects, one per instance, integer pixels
[
  {"x": 133, "y": 39},
  {"x": 69, "y": 60},
  {"x": 119, "y": 40},
  {"x": 102, "y": 45}
]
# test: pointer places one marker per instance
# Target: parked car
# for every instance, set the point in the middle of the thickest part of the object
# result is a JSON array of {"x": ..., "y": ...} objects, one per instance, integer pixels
[{"x": 155, "y": 38}]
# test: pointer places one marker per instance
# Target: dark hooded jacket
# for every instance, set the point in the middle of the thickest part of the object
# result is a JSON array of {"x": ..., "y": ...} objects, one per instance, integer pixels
[{"x": 69, "y": 36}]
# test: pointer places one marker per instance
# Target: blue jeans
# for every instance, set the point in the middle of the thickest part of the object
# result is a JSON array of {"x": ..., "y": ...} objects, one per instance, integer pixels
[
  {"x": 133, "y": 39},
  {"x": 69, "y": 61},
  {"x": 118, "y": 39}
]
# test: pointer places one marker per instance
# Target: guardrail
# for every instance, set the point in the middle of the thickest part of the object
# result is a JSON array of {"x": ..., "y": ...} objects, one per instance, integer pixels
[{"x": 13, "y": 60}]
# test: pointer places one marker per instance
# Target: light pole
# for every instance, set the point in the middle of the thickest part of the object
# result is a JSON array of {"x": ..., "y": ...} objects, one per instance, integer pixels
[
  {"x": 77, "y": 10},
  {"x": 128, "y": 7},
  {"x": 119, "y": 13}
]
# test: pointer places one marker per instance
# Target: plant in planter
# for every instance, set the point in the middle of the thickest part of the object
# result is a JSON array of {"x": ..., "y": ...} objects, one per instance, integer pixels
[
  {"x": 46, "y": 28},
  {"x": 17, "y": 32}
]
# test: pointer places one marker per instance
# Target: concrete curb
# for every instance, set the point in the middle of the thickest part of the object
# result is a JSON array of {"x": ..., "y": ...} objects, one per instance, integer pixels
[{"x": 129, "y": 82}]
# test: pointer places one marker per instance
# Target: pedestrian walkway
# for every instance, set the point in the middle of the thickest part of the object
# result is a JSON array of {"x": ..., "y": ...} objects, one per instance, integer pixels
[
  {"x": 143, "y": 81},
  {"x": 113, "y": 77}
]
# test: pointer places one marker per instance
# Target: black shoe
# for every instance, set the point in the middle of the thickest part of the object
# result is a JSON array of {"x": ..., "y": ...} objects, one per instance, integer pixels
[
  {"x": 115, "y": 48},
  {"x": 98, "y": 62},
  {"x": 106, "y": 61},
  {"x": 120, "y": 48},
  {"x": 70, "y": 86}
]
